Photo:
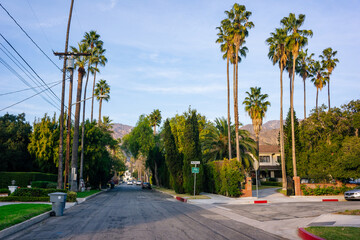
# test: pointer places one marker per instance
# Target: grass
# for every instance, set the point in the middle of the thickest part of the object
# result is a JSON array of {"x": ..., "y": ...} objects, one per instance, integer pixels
[
  {"x": 263, "y": 187},
  {"x": 350, "y": 212},
  {"x": 335, "y": 233},
  {"x": 16, "y": 213},
  {"x": 87, "y": 193},
  {"x": 186, "y": 195},
  {"x": 281, "y": 191}
]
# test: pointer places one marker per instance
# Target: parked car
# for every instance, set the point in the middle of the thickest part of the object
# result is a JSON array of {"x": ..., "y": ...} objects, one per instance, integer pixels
[
  {"x": 352, "y": 194},
  {"x": 146, "y": 185},
  {"x": 138, "y": 183},
  {"x": 129, "y": 183}
]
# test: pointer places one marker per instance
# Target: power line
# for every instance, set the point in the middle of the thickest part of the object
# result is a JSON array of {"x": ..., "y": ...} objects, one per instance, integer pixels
[
  {"x": 27, "y": 73},
  {"x": 30, "y": 38},
  {"x": 29, "y": 65},
  {"x": 26, "y": 89}
]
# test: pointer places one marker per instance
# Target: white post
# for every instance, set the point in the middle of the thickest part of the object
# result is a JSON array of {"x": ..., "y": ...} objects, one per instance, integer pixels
[{"x": 194, "y": 182}]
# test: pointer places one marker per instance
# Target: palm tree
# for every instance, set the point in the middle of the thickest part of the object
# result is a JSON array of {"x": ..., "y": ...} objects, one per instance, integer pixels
[
  {"x": 295, "y": 41},
  {"x": 80, "y": 63},
  {"x": 102, "y": 91},
  {"x": 318, "y": 77},
  {"x": 256, "y": 106},
  {"x": 155, "y": 119},
  {"x": 303, "y": 69},
  {"x": 329, "y": 62},
  {"x": 240, "y": 25},
  {"x": 278, "y": 54}
]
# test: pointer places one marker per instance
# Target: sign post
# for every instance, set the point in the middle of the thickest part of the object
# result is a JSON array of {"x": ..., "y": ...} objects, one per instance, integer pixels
[{"x": 195, "y": 170}]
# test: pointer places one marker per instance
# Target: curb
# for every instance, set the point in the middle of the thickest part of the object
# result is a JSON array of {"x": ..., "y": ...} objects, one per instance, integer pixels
[
  {"x": 181, "y": 199},
  {"x": 81, "y": 200},
  {"x": 330, "y": 200},
  {"x": 260, "y": 201},
  {"x": 305, "y": 235},
  {"x": 21, "y": 226}
]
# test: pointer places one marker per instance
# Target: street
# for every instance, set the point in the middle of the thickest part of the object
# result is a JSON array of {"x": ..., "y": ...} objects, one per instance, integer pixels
[{"x": 128, "y": 212}]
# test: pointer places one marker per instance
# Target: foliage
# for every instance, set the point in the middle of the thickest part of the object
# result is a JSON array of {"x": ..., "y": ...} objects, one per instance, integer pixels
[
  {"x": 231, "y": 177},
  {"x": 35, "y": 192},
  {"x": 212, "y": 182},
  {"x": 43, "y": 184},
  {"x": 87, "y": 193},
  {"x": 173, "y": 159},
  {"x": 271, "y": 183},
  {"x": 4, "y": 190},
  {"x": 24, "y": 199},
  {"x": 335, "y": 233},
  {"x": 155, "y": 118},
  {"x": 71, "y": 196},
  {"x": 14, "y": 140},
  {"x": 192, "y": 152},
  {"x": 23, "y": 179},
  {"x": 325, "y": 190}
]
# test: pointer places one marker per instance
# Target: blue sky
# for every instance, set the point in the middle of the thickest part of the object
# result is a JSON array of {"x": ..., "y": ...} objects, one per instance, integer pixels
[{"x": 162, "y": 54}]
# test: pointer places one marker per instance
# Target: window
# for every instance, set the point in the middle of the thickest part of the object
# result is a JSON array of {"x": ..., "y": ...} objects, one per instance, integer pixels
[
  {"x": 264, "y": 159},
  {"x": 279, "y": 159}
]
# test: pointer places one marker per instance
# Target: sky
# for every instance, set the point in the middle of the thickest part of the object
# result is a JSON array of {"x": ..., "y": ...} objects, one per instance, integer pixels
[{"x": 162, "y": 55}]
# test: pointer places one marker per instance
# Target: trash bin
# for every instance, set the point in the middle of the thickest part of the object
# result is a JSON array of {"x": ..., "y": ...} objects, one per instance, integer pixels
[{"x": 58, "y": 200}]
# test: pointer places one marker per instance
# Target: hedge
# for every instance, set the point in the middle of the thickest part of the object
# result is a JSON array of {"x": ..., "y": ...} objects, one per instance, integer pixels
[
  {"x": 24, "y": 178},
  {"x": 36, "y": 195},
  {"x": 24, "y": 199},
  {"x": 324, "y": 190},
  {"x": 35, "y": 192},
  {"x": 43, "y": 184},
  {"x": 4, "y": 190}
]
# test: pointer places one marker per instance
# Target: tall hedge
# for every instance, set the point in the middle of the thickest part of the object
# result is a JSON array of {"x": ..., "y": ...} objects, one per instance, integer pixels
[{"x": 24, "y": 178}]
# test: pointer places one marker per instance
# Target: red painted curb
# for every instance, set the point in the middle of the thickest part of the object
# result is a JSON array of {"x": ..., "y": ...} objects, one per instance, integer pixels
[
  {"x": 305, "y": 235},
  {"x": 260, "y": 201},
  {"x": 181, "y": 199},
  {"x": 330, "y": 200}
]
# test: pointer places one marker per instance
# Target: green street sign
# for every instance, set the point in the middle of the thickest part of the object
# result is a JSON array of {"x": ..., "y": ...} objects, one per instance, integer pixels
[{"x": 195, "y": 170}]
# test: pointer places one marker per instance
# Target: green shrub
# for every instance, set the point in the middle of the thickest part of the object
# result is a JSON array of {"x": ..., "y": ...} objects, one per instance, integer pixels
[
  {"x": 43, "y": 184},
  {"x": 24, "y": 178},
  {"x": 24, "y": 199},
  {"x": 212, "y": 177},
  {"x": 4, "y": 190},
  {"x": 71, "y": 197},
  {"x": 231, "y": 177},
  {"x": 325, "y": 190},
  {"x": 35, "y": 192}
]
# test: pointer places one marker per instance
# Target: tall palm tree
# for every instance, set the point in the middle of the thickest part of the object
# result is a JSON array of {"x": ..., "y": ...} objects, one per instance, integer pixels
[
  {"x": 303, "y": 69},
  {"x": 278, "y": 54},
  {"x": 80, "y": 63},
  {"x": 102, "y": 91},
  {"x": 318, "y": 77},
  {"x": 295, "y": 41},
  {"x": 329, "y": 62},
  {"x": 256, "y": 106},
  {"x": 155, "y": 119},
  {"x": 240, "y": 25}
]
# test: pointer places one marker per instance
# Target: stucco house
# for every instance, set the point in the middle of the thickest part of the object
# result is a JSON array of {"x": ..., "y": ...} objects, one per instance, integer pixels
[{"x": 269, "y": 164}]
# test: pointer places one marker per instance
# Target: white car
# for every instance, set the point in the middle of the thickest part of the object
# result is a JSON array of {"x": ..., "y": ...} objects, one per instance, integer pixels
[
  {"x": 138, "y": 183},
  {"x": 352, "y": 194},
  {"x": 129, "y": 183}
]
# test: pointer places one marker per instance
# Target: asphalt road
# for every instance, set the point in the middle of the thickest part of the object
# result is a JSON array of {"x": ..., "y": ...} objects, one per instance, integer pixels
[{"x": 128, "y": 212}]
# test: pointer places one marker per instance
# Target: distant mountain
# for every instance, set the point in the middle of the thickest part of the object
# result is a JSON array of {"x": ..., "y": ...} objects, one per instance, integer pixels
[
  {"x": 120, "y": 130},
  {"x": 269, "y": 132}
]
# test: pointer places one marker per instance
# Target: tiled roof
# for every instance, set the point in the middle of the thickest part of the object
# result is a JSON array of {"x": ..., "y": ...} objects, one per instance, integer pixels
[{"x": 269, "y": 149}]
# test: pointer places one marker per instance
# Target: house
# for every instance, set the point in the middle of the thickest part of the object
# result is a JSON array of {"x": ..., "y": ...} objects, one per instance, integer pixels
[{"x": 269, "y": 163}]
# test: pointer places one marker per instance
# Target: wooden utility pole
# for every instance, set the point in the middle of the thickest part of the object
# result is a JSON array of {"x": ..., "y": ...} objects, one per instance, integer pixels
[{"x": 60, "y": 168}]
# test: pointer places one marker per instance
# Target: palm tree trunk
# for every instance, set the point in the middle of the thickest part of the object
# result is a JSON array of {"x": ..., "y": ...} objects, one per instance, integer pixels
[
  {"x": 154, "y": 129},
  {"x": 236, "y": 106},
  {"x": 75, "y": 148},
  {"x": 61, "y": 121},
  {"x": 68, "y": 134},
  {"x": 93, "y": 90},
  {"x": 100, "y": 103},
  {"x": 282, "y": 151},
  {"x": 83, "y": 127},
  {"x": 304, "y": 98},
  {"x": 292, "y": 117},
  {"x": 329, "y": 94},
  {"x": 317, "y": 95},
  {"x": 228, "y": 105}
]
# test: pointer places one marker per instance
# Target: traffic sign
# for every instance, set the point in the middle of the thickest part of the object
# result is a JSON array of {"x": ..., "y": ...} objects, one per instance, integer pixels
[
  {"x": 194, "y": 170},
  {"x": 195, "y": 162}
]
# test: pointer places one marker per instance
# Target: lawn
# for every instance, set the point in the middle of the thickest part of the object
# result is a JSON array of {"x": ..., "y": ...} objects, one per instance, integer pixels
[
  {"x": 335, "y": 233},
  {"x": 16, "y": 213},
  {"x": 87, "y": 193},
  {"x": 350, "y": 212},
  {"x": 172, "y": 192}
]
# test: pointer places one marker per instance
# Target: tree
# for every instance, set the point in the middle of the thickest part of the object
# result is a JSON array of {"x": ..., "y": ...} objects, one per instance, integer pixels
[
  {"x": 14, "y": 141},
  {"x": 173, "y": 159},
  {"x": 192, "y": 152},
  {"x": 329, "y": 62},
  {"x": 303, "y": 69},
  {"x": 256, "y": 106},
  {"x": 102, "y": 91},
  {"x": 295, "y": 41},
  {"x": 278, "y": 53},
  {"x": 155, "y": 119},
  {"x": 240, "y": 25},
  {"x": 80, "y": 63},
  {"x": 318, "y": 77}
]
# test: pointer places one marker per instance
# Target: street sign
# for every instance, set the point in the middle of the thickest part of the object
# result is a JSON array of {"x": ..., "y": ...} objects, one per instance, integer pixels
[
  {"x": 194, "y": 170},
  {"x": 195, "y": 162}
]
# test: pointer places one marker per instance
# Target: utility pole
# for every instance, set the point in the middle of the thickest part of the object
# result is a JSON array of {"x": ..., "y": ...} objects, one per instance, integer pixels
[{"x": 61, "y": 122}]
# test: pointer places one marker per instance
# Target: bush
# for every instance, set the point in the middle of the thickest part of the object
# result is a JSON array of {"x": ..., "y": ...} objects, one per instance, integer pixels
[
  {"x": 71, "y": 197},
  {"x": 212, "y": 177},
  {"x": 5, "y": 190},
  {"x": 231, "y": 177},
  {"x": 35, "y": 192},
  {"x": 24, "y": 178},
  {"x": 43, "y": 184},
  {"x": 24, "y": 199},
  {"x": 331, "y": 190}
]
